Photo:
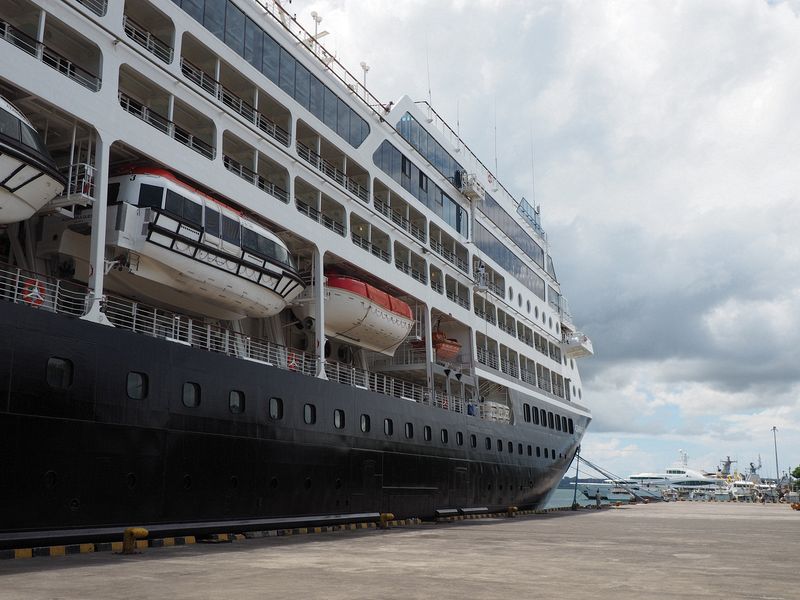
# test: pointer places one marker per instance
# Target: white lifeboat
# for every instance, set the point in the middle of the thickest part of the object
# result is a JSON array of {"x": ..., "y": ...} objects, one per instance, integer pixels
[
  {"x": 577, "y": 345},
  {"x": 178, "y": 246},
  {"x": 29, "y": 178},
  {"x": 363, "y": 315}
]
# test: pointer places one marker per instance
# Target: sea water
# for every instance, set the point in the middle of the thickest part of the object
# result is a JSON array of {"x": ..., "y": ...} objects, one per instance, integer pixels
[{"x": 563, "y": 497}]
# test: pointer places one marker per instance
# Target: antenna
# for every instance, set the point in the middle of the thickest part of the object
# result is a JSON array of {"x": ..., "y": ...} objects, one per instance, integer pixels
[
  {"x": 496, "y": 171},
  {"x": 428, "y": 68},
  {"x": 533, "y": 173}
]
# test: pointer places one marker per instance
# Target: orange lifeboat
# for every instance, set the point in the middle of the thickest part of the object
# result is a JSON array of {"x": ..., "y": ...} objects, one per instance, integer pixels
[
  {"x": 446, "y": 349},
  {"x": 363, "y": 315}
]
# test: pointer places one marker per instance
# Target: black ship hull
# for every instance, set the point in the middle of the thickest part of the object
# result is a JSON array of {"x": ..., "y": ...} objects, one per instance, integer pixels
[{"x": 76, "y": 452}]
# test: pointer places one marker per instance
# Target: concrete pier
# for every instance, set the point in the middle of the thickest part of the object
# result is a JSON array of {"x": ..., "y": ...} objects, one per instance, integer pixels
[{"x": 665, "y": 551}]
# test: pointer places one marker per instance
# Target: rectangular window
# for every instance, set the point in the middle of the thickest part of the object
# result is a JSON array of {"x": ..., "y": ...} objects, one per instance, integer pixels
[
  {"x": 550, "y": 422},
  {"x": 190, "y": 395},
  {"x": 543, "y": 414},
  {"x": 538, "y": 452},
  {"x": 136, "y": 385},
  {"x": 342, "y": 118},
  {"x": 234, "y": 29},
  {"x": 558, "y": 422},
  {"x": 316, "y": 97},
  {"x": 287, "y": 72},
  {"x": 519, "y": 448},
  {"x": 214, "y": 17},
  {"x": 236, "y": 401},
  {"x": 571, "y": 426},
  {"x": 331, "y": 109},
  {"x": 230, "y": 231},
  {"x": 527, "y": 412},
  {"x": 564, "y": 424},
  {"x": 499, "y": 445},
  {"x": 271, "y": 59},
  {"x": 174, "y": 204},
  {"x": 113, "y": 193},
  {"x": 212, "y": 222},
  {"x": 546, "y": 453},
  {"x": 409, "y": 431},
  {"x": 194, "y": 8},
  {"x": 388, "y": 427},
  {"x": 535, "y": 415},
  {"x": 530, "y": 450},
  {"x": 309, "y": 414},
  {"x": 301, "y": 85},
  {"x": 354, "y": 134},
  {"x": 511, "y": 447},
  {"x": 275, "y": 409},
  {"x": 59, "y": 373},
  {"x": 192, "y": 212},
  {"x": 473, "y": 440},
  {"x": 488, "y": 443},
  {"x": 253, "y": 38},
  {"x": 338, "y": 418},
  {"x": 150, "y": 195}
]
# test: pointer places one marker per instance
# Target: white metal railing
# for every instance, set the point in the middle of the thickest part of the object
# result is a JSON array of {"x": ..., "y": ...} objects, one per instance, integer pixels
[
  {"x": 45, "y": 293},
  {"x": 213, "y": 87},
  {"x": 320, "y": 217},
  {"x": 49, "y": 56},
  {"x": 98, "y": 7},
  {"x": 326, "y": 168},
  {"x": 508, "y": 329},
  {"x": 487, "y": 358},
  {"x": 80, "y": 179},
  {"x": 462, "y": 302},
  {"x": 255, "y": 179},
  {"x": 509, "y": 367},
  {"x": 147, "y": 40},
  {"x": 438, "y": 286},
  {"x": 409, "y": 270},
  {"x": 528, "y": 376},
  {"x": 373, "y": 249},
  {"x": 449, "y": 402},
  {"x": 449, "y": 256},
  {"x": 164, "y": 125},
  {"x": 398, "y": 219}
]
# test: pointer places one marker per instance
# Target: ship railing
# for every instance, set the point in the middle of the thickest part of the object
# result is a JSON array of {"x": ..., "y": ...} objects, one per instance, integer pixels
[
  {"x": 365, "y": 244},
  {"x": 98, "y": 7},
  {"x": 255, "y": 179},
  {"x": 544, "y": 384},
  {"x": 213, "y": 87},
  {"x": 528, "y": 377},
  {"x": 158, "y": 48},
  {"x": 509, "y": 367},
  {"x": 398, "y": 219},
  {"x": 449, "y": 402},
  {"x": 449, "y": 256},
  {"x": 320, "y": 217},
  {"x": 487, "y": 358},
  {"x": 329, "y": 170},
  {"x": 404, "y": 356},
  {"x": 375, "y": 382},
  {"x": 49, "y": 56},
  {"x": 507, "y": 328},
  {"x": 164, "y": 125},
  {"x": 462, "y": 302},
  {"x": 438, "y": 286},
  {"x": 80, "y": 180},
  {"x": 409, "y": 270},
  {"x": 51, "y": 294}
]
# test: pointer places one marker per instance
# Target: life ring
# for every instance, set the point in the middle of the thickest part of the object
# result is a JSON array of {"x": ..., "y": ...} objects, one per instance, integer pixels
[
  {"x": 291, "y": 361},
  {"x": 33, "y": 292}
]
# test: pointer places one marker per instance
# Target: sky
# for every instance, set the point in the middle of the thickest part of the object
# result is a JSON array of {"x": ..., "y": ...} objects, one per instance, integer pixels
[{"x": 666, "y": 142}]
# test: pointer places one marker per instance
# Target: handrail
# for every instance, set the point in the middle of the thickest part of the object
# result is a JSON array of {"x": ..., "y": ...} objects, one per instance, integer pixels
[
  {"x": 398, "y": 219},
  {"x": 49, "y": 56},
  {"x": 255, "y": 179},
  {"x": 365, "y": 244},
  {"x": 320, "y": 217},
  {"x": 329, "y": 170},
  {"x": 159, "y": 48},
  {"x": 98, "y": 7}
]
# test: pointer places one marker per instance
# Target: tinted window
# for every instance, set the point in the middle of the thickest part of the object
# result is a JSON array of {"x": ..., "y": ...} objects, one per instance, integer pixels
[
  {"x": 173, "y": 204},
  {"x": 9, "y": 124},
  {"x": 571, "y": 426},
  {"x": 194, "y": 8},
  {"x": 287, "y": 72},
  {"x": 426, "y": 433},
  {"x": 275, "y": 409},
  {"x": 59, "y": 372},
  {"x": 192, "y": 212},
  {"x": 113, "y": 192},
  {"x": 270, "y": 59},
  {"x": 230, "y": 230},
  {"x": 338, "y": 418},
  {"x": 488, "y": 442},
  {"x": 301, "y": 85},
  {"x": 191, "y": 394},
  {"x": 234, "y": 29},
  {"x": 409, "y": 430},
  {"x": 150, "y": 195},
  {"x": 388, "y": 427},
  {"x": 316, "y": 97},
  {"x": 236, "y": 401},
  {"x": 309, "y": 414},
  {"x": 212, "y": 222},
  {"x": 214, "y": 17},
  {"x": 365, "y": 424},
  {"x": 473, "y": 440},
  {"x": 253, "y": 37},
  {"x": 136, "y": 385}
]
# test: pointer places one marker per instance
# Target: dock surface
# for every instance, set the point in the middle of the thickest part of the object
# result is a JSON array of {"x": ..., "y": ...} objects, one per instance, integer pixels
[{"x": 674, "y": 550}]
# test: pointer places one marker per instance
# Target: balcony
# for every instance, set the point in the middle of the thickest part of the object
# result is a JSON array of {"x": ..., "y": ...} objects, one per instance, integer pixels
[
  {"x": 370, "y": 247},
  {"x": 449, "y": 256},
  {"x": 215, "y": 89},
  {"x": 485, "y": 357},
  {"x": 321, "y": 218},
  {"x": 255, "y": 179},
  {"x": 409, "y": 270},
  {"x": 158, "y": 48},
  {"x": 165, "y": 126},
  {"x": 509, "y": 367},
  {"x": 98, "y": 7},
  {"x": 48, "y": 56},
  {"x": 330, "y": 171},
  {"x": 399, "y": 220}
]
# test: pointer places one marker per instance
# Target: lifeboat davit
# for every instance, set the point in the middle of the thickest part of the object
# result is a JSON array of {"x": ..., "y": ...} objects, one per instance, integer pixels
[
  {"x": 178, "y": 246},
  {"x": 446, "y": 349},
  {"x": 363, "y": 315},
  {"x": 29, "y": 178}
]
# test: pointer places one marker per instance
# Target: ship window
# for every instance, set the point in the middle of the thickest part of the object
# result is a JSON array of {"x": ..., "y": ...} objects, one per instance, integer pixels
[
  {"x": 459, "y": 438},
  {"x": 409, "y": 430},
  {"x": 275, "y": 409},
  {"x": 488, "y": 442},
  {"x": 230, "y": 230},
  {"x": 59, "y": 372},
  {"x": 9, "y": 125},
  {"x": 444, "y": 436},
  {"x": 309, "y": 414},
  {"x": 406, "y": 166},
  {"x": 388, "y": 427},
  {"x": 519, "y": 448},
  {"x": 343, "y": 122},
  {"x": 316, "y": 97},
  {"x": 174, "y": 204},
  {"x": 338, "y": 418},
  {"x": 31, "y": 139},
  {"x": 113, "y": 192},
  {"x": 191, "y": 394},
  {"x": 530, "y": 450},
  {"x": 136, "y": 385},
  {"x": 150, "y": 195},
  {"x": 212, "y": 222},
  {"x": 193, "y": 212},
  {"x": 527, "y": 410},
  {"x": 252, "y": 43},
  {"x": 563, "y": 424},
  {"x": 545, "y": 453},
  {"x": 571, "y": 426},
  {"x": 287, "y": 72},
  {"x": 426, "y": 433},
  {"x": 550, "y": 422},
  {"x": 330, "y": 109},
  {"x": 214, "y": 17},
  {"x": 558, "y": 422},
  {"x": 365, "y": 423},
  {"x": 538, "y": 451},
  {"x": 270, "y": 58},
  {"x": 535, "y": 415},
  {"x": 194, "y": 8},
  {"x": 234, "y": 29},
  {"x": 473, "y": 440},
  {"x": 301, "y": 85},
  {"x": 499, "y": 445},
  {"x": 552, "y": 453},
  {"x": 511, "y": 447},
  {"x": 236, "y": 401}
]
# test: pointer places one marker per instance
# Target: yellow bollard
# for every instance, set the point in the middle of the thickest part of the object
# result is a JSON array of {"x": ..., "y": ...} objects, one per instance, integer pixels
[
  {"x": 129, "y": 539},
  {"x": 385, "y": 518},
  {"x": 511, "y": 512}
]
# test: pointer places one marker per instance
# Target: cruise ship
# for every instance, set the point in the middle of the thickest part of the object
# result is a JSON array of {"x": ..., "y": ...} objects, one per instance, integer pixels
[{"x": 239, "y": 289}]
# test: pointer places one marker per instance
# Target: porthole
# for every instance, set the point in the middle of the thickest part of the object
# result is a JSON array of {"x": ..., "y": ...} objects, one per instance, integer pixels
[
  {"x": 427, "y": 433},
  {"x": 307, "y": 483},
  {"x": 365, "y": 424},
  {"x": 444, "y": 436},
  {"x": 309, "y": 414},
  {"x": 459, "y": 438},
  {"x": 388, "y": 427},
  {"x": 488, "y": 443},
  {"x": 536, "y": 311},
  {"x": 529, "y": 306},
  {"x": 191, "y": 394},
  {"x": 236, "y": 401},
  {"x": 409, "y": 431},
  {"x": 338, "y": 418},
  {"x": 136, "y": 385},
  {"x": 275, "y": 409},
  {"x": 510, "y": 293},
  {"x": 59, "y": 373}
]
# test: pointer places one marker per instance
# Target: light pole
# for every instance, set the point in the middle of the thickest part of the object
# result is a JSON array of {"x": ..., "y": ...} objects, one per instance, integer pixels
[
  {"x": 365, "y": 68},
  {"x": 775, "y": 441},
  {"x": 317, "y": 20}
]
